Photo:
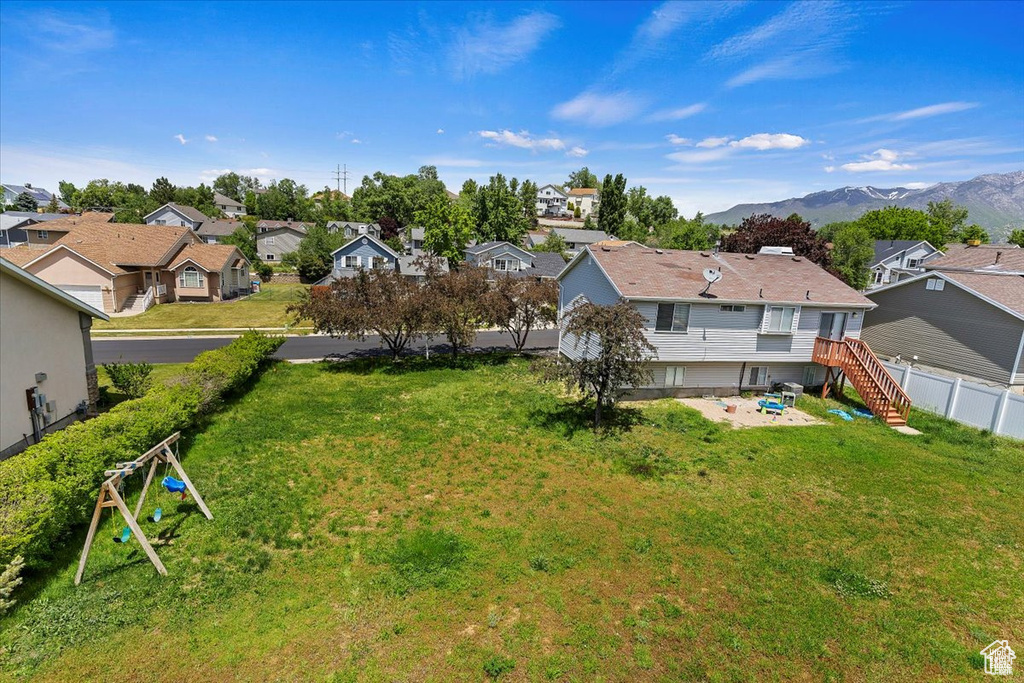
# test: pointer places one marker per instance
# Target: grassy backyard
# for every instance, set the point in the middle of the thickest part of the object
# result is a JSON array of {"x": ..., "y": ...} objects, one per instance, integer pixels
[
  {"x": 265, "y": 309},
  {"x": 438, "y": 523}
]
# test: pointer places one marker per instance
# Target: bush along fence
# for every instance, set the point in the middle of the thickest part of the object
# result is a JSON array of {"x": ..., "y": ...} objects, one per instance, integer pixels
[
  {"x": 993, "y": 408},
  {"x": 50, "y": 488}
]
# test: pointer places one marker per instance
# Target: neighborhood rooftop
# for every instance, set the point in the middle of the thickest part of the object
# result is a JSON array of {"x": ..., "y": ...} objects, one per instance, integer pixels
[
  {"x": 993, "y": 258},
  {"x": 886, "y": 248},
  {"x": 644, "y": 273},
  {"x": 1005, "y": 290}
]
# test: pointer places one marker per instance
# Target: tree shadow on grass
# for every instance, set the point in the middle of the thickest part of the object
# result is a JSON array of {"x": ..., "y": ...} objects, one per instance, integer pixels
[
  {"x": 568, "y": 418},
  {"x": 370, "y": 361}
]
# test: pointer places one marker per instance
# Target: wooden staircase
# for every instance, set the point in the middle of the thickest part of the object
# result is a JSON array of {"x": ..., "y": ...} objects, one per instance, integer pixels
[{"x": 854, "y": 359}]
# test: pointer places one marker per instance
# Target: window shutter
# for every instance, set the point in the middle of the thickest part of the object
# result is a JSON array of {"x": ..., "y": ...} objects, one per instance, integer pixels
[
  {"x": 796, "y": 319},
  {"x": 766, "y": 318},
  {"x": 665, "y": 313}
]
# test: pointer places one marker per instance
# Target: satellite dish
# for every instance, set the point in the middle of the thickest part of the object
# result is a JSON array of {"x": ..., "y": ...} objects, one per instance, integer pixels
[{"x": 712, "y": 275}]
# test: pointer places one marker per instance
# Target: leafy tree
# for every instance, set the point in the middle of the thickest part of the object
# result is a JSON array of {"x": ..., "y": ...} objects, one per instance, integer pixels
[
  {"x": 947, "y": 219},
  {"x": 380, "y": 300},
  {"x": 313, "y": 258},
  {"x": 662, "y": 210},
  {"x": 244, "y": 237},
  {"x": 69, "y": 194},
  {"x": 389, "y": 228},
  {"x": 1016, "y": 237},
  {"x": 588, "y": 223},
  {"x": 230, "y": 185},
  {"x": 853, "y": 250},
  {"x": 396, "y": 197},
  {"x": 456, "y": 302},
  {"x": 500, "y": 215},
  {"x": 447, "y": 228},
  {"x": 555, "y": 244},
  {"x": 632, "y": 230},
  {"x": 131, "y": 379},
  {"x": 25, "y": 202},
  {"x": 396, "y": 244},
  {"x": 681, "y": 233},
  {"x": 282, "y": 200},
  {"x": 828, "y": 232},
  {"x": 162, "y": 191},
  {"x": 467, "y": 197},
  {"x": 765, "y": 230},
  {"x": 581, "y": 178},
  {"x": 528, "y": 196},
  {"x": 973, "y": 232},
  {"x": 519, "y": 304},
  {"x": 612, "y": 216},
  {"x": 614, "y": 353},
  {"x": 901, "y": 223}
]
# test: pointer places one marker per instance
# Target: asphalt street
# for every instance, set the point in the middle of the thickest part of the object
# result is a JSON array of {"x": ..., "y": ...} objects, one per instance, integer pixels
[{"x": 184, "y": 349}]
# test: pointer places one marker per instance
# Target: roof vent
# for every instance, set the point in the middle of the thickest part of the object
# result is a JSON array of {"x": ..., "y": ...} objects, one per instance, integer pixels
[
  {"x": 760, "y": 293},
  {"x": 797, "y": 259},
  {"x": 705, "y": 254},
  {"x": 659, "y": 251},
  {"x": 808, "y": 295},
  {"x": 750, "y": 257}
]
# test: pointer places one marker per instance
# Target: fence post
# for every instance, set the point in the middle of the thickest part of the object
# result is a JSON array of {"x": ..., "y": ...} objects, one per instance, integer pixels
[
  {"x": 951, "y": 406},
  {"x": 905, "y": 379},
  {"x": 997, "y": 421}
]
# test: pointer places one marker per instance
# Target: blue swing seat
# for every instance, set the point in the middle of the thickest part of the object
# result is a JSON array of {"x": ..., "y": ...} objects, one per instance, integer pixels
[
  {"x": 126, "y": 534},
  {"x": 157, "y": 515},
  {"x": 174, "y": 485}
]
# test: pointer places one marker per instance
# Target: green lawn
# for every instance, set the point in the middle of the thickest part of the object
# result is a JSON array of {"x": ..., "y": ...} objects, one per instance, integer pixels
[
  {"x": 437, "y": 523},
  {"x": 266, "y": 309}
]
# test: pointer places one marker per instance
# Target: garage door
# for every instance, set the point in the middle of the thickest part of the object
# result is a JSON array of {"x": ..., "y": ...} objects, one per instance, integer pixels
[{"x": 93, "y": 296}]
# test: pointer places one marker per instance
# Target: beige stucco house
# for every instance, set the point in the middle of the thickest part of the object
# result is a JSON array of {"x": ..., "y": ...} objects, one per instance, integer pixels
[
  {"x": 586, "y": 198},
  {"x": 115, "y": 267},
  {"x": 49, "y": 379}
]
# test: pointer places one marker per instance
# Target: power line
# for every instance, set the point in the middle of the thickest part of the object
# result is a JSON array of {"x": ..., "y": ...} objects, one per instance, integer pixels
[{"x": 341, "y": 175}]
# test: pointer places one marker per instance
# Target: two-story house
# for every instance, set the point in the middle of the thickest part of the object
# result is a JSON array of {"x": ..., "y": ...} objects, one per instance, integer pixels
[
  {"x": 897, "y": 260},
  {"x": 586, "y": 198},
  {"x": 41, "y": 196},
  {"x": 575, "y": 239},
  {"x": 352, "y": 229},
  {"x": 754, "y": 327},
  {"x": 551, "y": 201},
  {"x": 368, "y": 252},
  {"x": 228, "y": 206},
  {"x": 504, "y": 258},
  {"x": 272, "y": 243}
]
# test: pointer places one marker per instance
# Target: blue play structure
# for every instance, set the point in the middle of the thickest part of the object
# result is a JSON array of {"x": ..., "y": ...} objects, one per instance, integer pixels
[
  {"x": 175, "y": 486},
  {"x": 866, "y": 414},
  {"x": 767, "y": 405}
]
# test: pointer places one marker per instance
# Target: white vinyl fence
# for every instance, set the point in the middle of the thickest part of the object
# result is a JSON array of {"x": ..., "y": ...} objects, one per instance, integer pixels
[{"x": 998, "y": 410}]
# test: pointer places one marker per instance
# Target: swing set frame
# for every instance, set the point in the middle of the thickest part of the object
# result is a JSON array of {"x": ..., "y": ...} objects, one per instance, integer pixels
[{"x": 110, "y": 498}]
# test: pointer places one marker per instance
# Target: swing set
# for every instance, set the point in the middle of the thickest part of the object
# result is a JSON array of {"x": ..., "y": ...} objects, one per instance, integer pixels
[{"x": 112, "y": 496}]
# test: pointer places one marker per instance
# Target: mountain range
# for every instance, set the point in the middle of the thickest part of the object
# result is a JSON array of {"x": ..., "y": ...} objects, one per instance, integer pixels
[{"x": 994, "y": 201}]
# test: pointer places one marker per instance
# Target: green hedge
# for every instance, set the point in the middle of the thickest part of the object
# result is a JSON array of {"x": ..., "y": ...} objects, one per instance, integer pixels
[{"x": 51, "y": 487}]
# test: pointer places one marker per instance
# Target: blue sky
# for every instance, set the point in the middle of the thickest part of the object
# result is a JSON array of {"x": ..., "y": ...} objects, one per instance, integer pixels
[{"x": 710, "y": 103}]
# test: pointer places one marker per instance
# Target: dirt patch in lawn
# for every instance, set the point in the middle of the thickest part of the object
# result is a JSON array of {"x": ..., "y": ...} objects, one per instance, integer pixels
[{"x": 747, "y": 413}]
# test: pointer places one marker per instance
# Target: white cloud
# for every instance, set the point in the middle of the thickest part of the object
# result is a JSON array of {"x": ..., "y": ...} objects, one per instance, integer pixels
[
  {"x": 651, "y": 39},
  {"x": 577, "y": 152},
  {"x": 73, "y": 33},
  {"x": 674, "y": 139},
  {"x": 522, "y": 139},
  {"x": 710, "y": 143},
  {"x": 879, "y": 160},
  {"x": 677, "y": 114},
  {"x": 700, "y": 157},
  {"x": 211, "y": 138},
  {"x": 356, "y": 141},
  {"x": 595, "y": 109},
  {"x": 829, "y": 169},
  {"x": 181, "y": 138},
  {"x": 440, "y": 131},
  {"x": 763, "y": 141},
  {"x": 923, "y": 112},
  {"x": 484, "y": 47}
]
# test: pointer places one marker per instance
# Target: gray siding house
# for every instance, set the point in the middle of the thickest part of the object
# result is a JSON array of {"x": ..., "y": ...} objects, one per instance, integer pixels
[
  {"x": 368, "y": 252},
  {"x": 352, "y": 229},
  {"x": 176, "y": 214},
  {"x": 967, "y": 323},
  {"x": 508, "y": 259},
  {"x": 754, "y": 328},
  {"x": 43, "y": 197},
  {"x": 274, "y": 243},
  {"x": 897, "y": 260},
  {"x": 228, "y": 206},
  {"x": 576, "y": 239}
]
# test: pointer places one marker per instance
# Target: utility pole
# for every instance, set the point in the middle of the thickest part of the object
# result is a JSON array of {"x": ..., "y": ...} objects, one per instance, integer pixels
[{"x": 341, "y": 176}]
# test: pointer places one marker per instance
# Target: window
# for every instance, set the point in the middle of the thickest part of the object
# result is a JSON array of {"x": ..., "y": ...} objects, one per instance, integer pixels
[
  {"x": 505, "y": 264},
  {"x": 42, "y": 234},
  {"x": 160, "y": 221},
  {"x": 938, "y": 284},
  {"x": 780, "y": 319},
  {"x": 810, "y": 375},
  {"x": 672, "y": 318},
  {"x": 270, "y": 240},
  {"x": 913, "y": 262},
  {"x": 879, "y": 274},
  {"x": 269, "y": 257},
  {"x": 674, "y": 376},
  {"x": 190, "y": 277},
  {"x": 733, "y": 308},
  {"x": 351, "y": 261},
  {"x": 758, "y": 376}
]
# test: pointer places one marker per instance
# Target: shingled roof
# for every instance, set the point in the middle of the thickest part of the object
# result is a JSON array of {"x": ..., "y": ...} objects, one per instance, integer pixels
[
  {"x": 210, "y": 257},
  {"x": 639, "y": 272},
  {"x": 991, "y": 258},
  {"x": 112, "y": 245}
]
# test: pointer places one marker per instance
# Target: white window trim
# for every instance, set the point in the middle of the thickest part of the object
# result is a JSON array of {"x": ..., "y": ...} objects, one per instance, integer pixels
[
  {"x": 269, "y": 257},
  {"x": 677, "y": 374},
  {"x": 914, "y": 262},
  {"x": 766, "y": 320},
  {"x": 750, "y": 373},
  {"x": 672, "y": 329},
  {"x": 355, "y": 260},
  {"x": 271, "y": 239},
  {"x": 183, "y": 280},
  {"x": 43, "y": 234},
  {"x": 935, "y": 283}
]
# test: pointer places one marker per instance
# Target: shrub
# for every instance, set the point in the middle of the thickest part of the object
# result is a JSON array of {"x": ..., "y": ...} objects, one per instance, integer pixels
[
  {"x": 496, "y": 665},
  {"x": 131, "y": 379},
  {"x": 51, "y": 486}
]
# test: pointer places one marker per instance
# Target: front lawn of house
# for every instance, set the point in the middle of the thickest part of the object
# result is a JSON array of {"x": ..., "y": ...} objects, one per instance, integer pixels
[
  {"x": 434, "y": 523},
  {"x": 264, "y": 309}
]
